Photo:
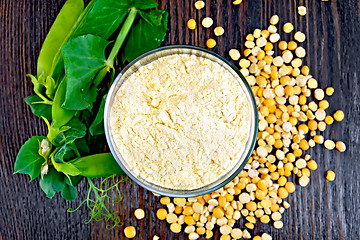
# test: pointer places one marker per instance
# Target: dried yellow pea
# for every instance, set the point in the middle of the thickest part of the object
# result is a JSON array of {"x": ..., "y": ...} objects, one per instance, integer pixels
[
  {"x": 288, "y": 27},
  {"x": 199, "y": 4},
  {"x": 302, "y": 10},
  {"x": 191, "y": 24},
  {"x": 210, "y": 43},
  {"x": 207, "y": 22},
  {"x": 218, "y": 31},
  {"x": 330, "y": 175}
]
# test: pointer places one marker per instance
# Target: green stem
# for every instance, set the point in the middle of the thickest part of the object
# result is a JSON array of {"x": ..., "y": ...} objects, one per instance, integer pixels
[
  {"x": 46, "y": 101},
  {"x": 122, "y": 36},
  {"x": 100, "y": 76},
  {"x": 93, "y": 187}
]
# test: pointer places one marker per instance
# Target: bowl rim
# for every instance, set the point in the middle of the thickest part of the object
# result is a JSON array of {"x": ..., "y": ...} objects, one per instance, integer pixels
[{"x": 189, "y": 192}]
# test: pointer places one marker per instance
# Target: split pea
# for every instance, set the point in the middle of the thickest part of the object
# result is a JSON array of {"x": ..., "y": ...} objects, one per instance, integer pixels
[
  {"x": 130, "y": 232},
  {"x": 288, "y": 27},
  {"x": 210, "y": 43},
  {"x": 207, "y": 22},
  {"x": 234, "y": 54},
  {"x": 199, "y": 4},
  {"x": 218, "y": 31},
  {"x": 302, "y": 10},
  {"x": 191, "y": 24},
  {"x": 330, "y": 175}
]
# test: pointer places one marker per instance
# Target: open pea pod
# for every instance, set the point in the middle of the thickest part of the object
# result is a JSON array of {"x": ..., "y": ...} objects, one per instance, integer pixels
[
  {"x": 59, "y": 32},
  {"x": 98, "y": 165}
]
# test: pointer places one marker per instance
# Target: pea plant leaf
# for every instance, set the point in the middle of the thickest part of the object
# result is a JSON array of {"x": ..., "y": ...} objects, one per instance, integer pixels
[
  {"x": 38, "y": 108},
  {"x": 66, "y": 152},
  {"x": 147, "y": 33},
  {"x": 76, "y": 130},
  {"x": 66, "y": 167},
  {"x": 29, "y": 160},
  {"x": 107, "y": 15},
  {"x": 84, "y": 57},
  {"x": 52, "y": 182},
  {"x": 97, "y": 127},
  {"x": 69, "y": 192}
]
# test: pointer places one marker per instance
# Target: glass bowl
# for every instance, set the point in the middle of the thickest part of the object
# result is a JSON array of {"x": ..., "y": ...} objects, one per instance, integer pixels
[{"x": 166, "y": 51}]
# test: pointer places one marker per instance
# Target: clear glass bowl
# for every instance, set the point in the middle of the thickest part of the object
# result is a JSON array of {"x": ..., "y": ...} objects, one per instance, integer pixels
[{"x": 166, "y": 51}]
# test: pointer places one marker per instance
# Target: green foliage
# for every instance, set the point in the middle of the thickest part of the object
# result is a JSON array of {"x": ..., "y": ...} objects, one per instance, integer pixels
[
  {"x": 106, "y": 197},
  {"x": 38, "y": 107},
  {"x": 28, "y": 160},
  {"x": 70, "y": 96},
  {"x": 147, "y": 33},
  {"x": 84, "y": 57}
]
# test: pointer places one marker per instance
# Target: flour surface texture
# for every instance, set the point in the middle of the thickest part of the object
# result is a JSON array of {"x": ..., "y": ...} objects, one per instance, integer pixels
[{"x": 181, "y": 121}]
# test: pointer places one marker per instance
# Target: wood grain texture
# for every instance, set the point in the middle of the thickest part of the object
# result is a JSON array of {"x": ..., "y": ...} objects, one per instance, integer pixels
[{"x": 322, "y": 210}]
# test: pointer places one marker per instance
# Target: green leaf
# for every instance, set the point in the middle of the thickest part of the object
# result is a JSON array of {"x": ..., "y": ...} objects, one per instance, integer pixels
[
  {"x": 29, "y": 160},
  {"x": 67, "y": 168},
  {"x": 97, "y": 127},
  {"x": 84, "y": 57},
  {"x": 38, "y": 108},
  {"x": 107, "y": 15},
  {"x": 82, "y": 146},
  {"x": 66, "y": 152},
  {"x": 52, "y": 182},
  {"x": 58, "y": 35},
  {"x": 76, "y": 130},
  {"x": 146, "y": 34},
  {"x": 69, "y": 192}
]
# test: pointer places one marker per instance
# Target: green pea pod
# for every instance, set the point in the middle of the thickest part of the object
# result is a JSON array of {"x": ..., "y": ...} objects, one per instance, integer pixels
[
  {"x": 98, "y": 165},
  {"x": 60, "y": 116},
  {"x": 59, "y": 32}
]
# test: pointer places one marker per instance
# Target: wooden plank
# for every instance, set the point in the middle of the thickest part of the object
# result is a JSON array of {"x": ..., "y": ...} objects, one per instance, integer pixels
[{"x": 322, "y": 210}]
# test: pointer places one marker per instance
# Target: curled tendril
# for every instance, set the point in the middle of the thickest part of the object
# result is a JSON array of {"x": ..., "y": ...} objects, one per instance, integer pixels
[{"x": 101, "y": 206}]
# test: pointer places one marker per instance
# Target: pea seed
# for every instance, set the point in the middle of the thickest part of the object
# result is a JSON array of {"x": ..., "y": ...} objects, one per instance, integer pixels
[
  {"x": 218, "y": 31},
  {"x": 191, "y": 24},
  {"x": 210, "y": 43},
  {"x": 199, "y": 5}
]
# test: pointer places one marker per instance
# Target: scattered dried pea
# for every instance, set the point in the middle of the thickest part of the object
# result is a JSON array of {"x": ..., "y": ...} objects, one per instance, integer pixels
[
  {"x": 329, "y": 91},
  {"x": 191, "y": 24},
  {"x": 288, "y": 27},
  {"x": 274, "y": 19},
  {"x": 330, "y": 175},
  {"x": 338, "y": 115},
  {"x": 234, "y": 54},
  {"x": 175, "y": 227},
  {"x": 302, "y": 10},
  {"x": 300, "y": 52},
  {"x": 218, "y": 31},
  {"x": 199, "y": 4},
  {"x": 340, "y": 146},
  {"x": 207, "y": 22},
  {"x": 237, "y": 2},
  {"x": 161, "y": 213},
  {"x": 299, "y": 36},
  {"x": 130, "y": 232},
  {"x": 329, "y": 144},
  {"x": 139, "y": 213},
  {"x": 210, "y": 43}
]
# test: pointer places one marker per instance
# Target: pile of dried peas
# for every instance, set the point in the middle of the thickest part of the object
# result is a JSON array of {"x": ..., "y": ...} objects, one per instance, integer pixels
[{"x": 288, "y": 126}]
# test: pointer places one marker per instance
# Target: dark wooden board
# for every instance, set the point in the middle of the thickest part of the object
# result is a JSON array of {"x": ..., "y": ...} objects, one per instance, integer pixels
[{"x": 322, "y": 210}]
